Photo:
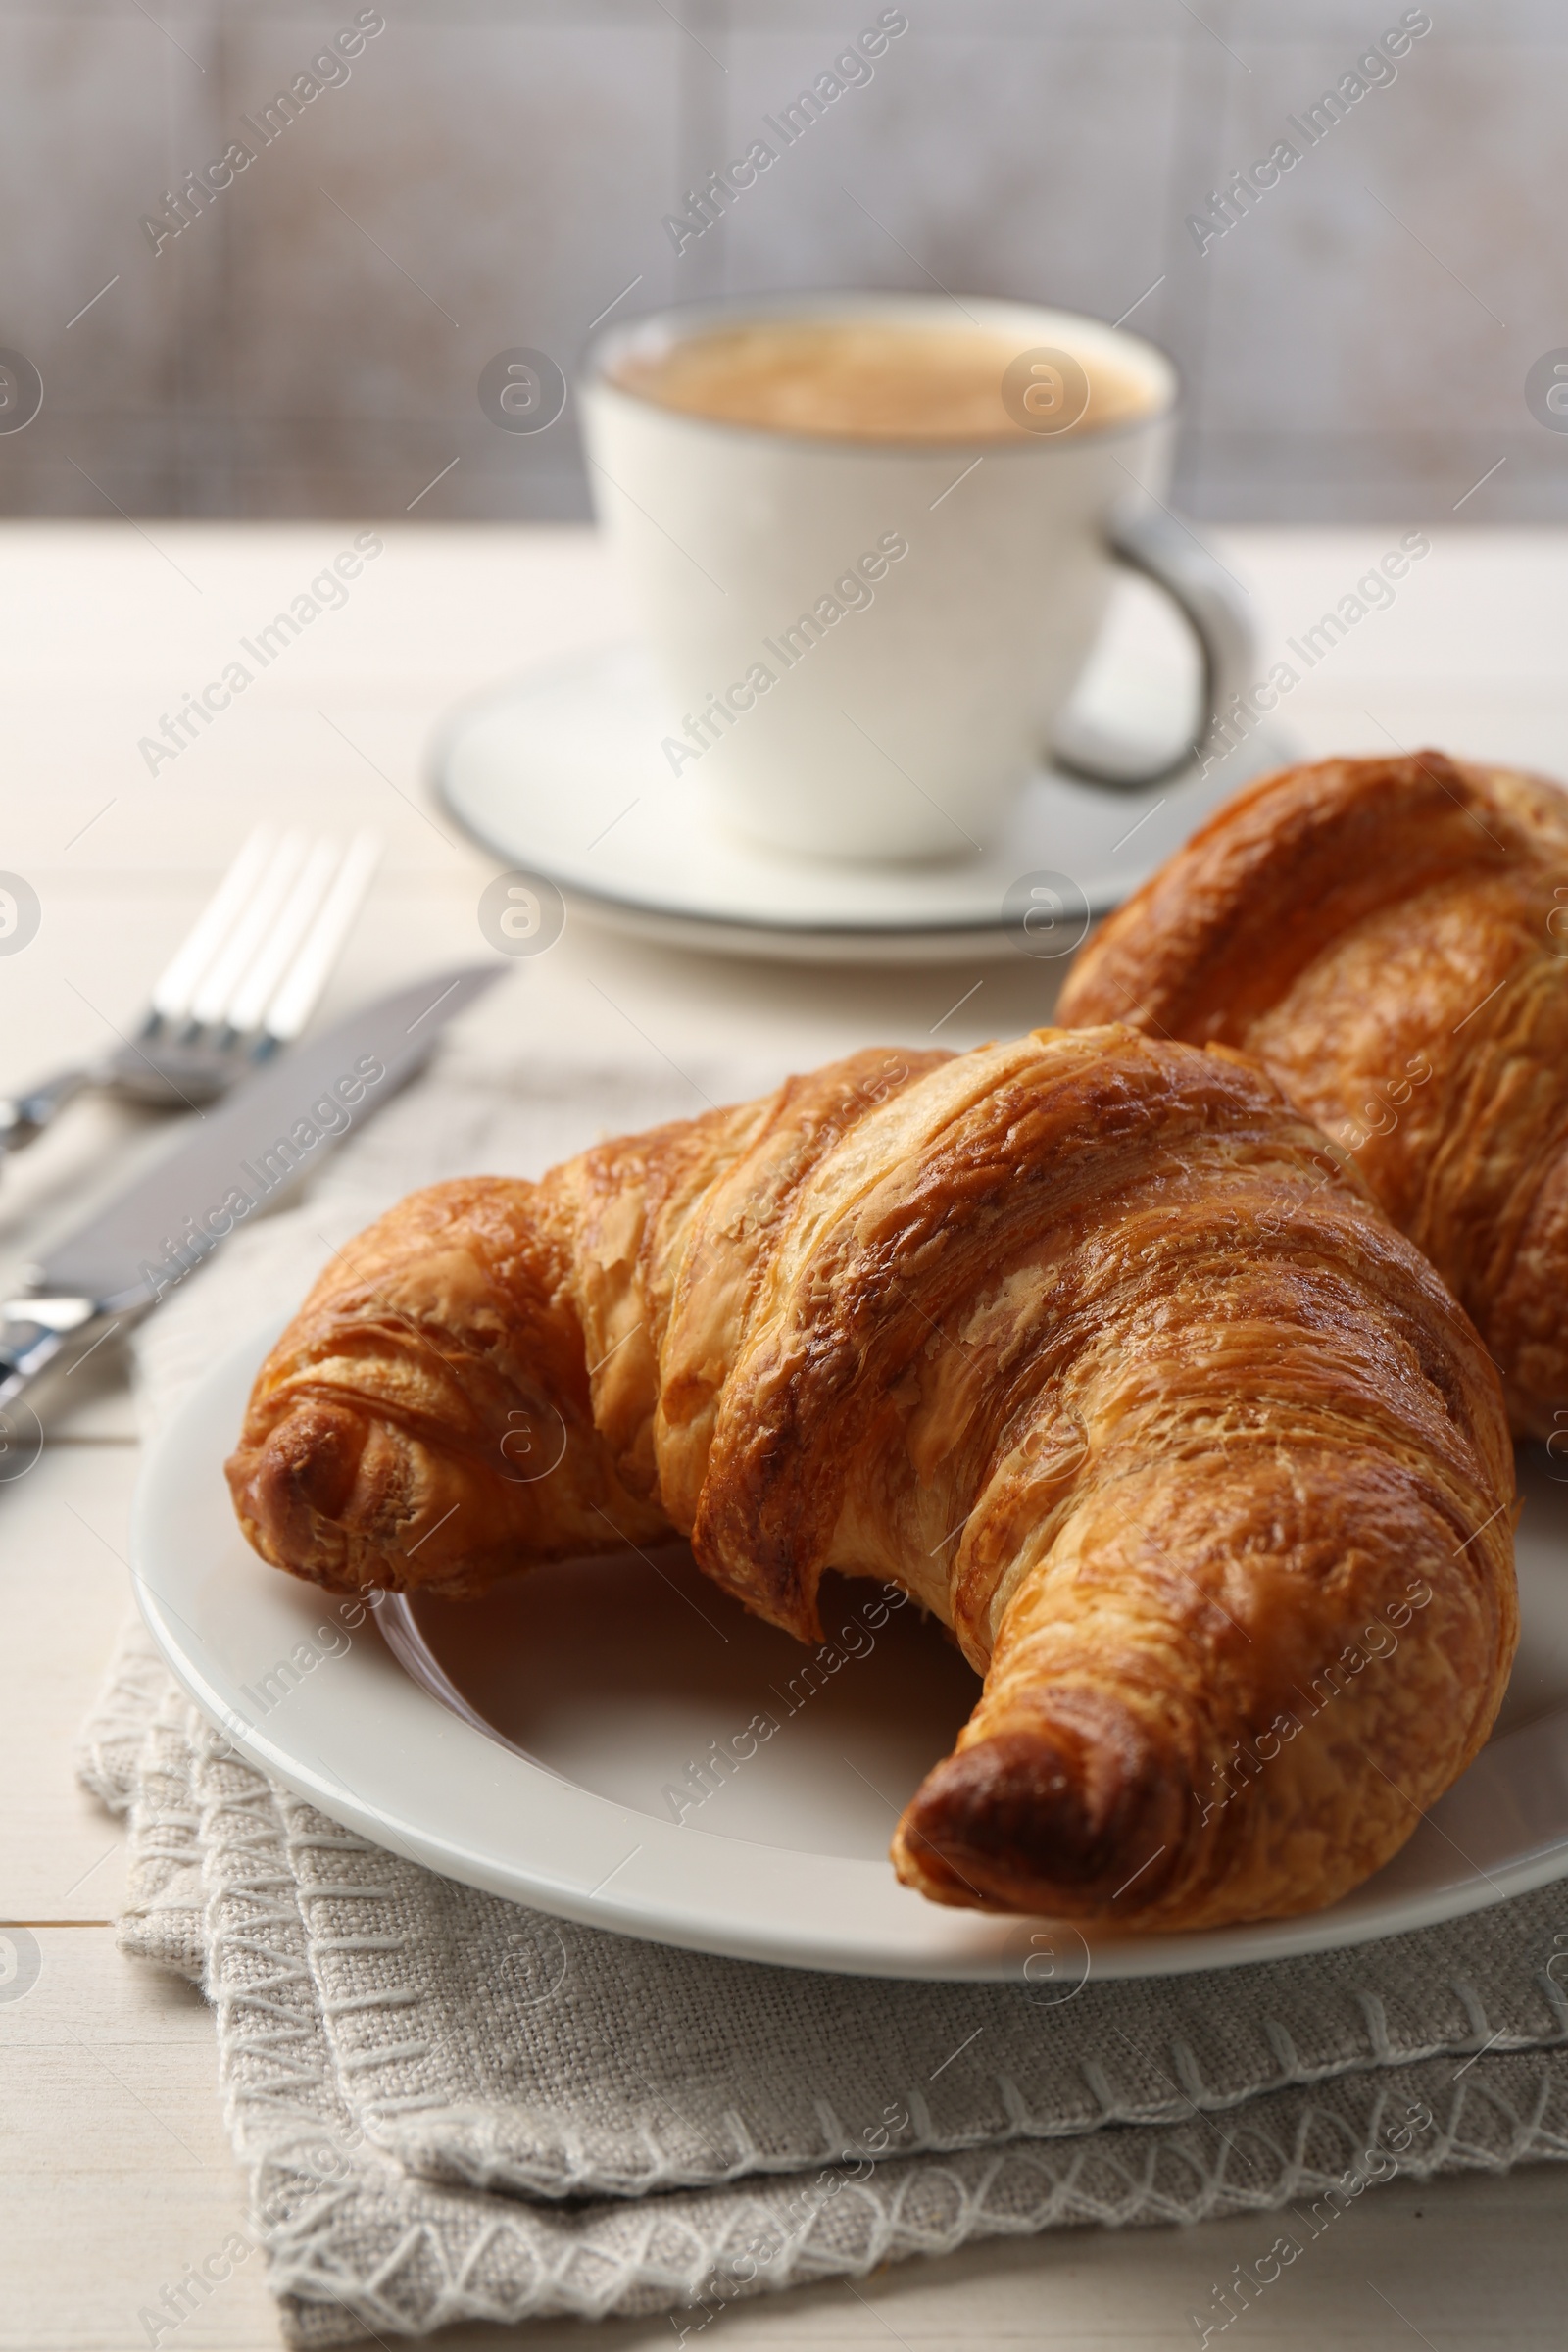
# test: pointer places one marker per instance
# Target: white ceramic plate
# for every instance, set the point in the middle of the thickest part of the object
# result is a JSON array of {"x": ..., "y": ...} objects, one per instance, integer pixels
[
  {"x": 562, "y": 775},
  {"x": 527, "y": 1743}
]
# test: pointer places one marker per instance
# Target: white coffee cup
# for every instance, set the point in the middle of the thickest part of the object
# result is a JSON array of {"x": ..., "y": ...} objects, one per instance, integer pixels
[{"x": 971, "y": 581}]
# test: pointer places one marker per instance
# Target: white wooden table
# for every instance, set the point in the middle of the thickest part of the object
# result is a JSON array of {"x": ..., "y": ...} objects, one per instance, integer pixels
[{"x": 116, "y": 2172}]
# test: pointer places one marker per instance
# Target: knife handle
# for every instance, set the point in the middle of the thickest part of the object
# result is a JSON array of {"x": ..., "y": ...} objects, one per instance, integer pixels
[{"x": 34, "y": 1331}]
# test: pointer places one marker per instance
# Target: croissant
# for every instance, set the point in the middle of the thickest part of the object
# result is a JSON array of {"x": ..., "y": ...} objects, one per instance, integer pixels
[
  {"x": 1084, "y": 1341},
  {"x": 1389, "y": 939}
]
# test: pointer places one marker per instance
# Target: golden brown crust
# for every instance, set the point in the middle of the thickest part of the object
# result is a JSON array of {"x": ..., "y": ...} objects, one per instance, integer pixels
[
  {"x": 393, "y": 1432},
  {"x": 1389, "y": 939},
  {"x": 1085, "y": 1341}
]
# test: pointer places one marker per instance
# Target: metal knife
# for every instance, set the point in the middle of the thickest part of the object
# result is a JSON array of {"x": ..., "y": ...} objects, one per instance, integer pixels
[{"x": 237, "y": 1159}]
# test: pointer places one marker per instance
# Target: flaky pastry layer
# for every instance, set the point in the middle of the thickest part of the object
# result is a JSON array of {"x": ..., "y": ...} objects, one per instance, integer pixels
[
  {"x": 1389, "y": 939},
  {"x": 1085, "y": 1341}
]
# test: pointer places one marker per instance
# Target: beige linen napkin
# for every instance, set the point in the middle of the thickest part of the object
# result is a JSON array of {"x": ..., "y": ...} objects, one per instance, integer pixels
[{"x": 448, "y": 2107}]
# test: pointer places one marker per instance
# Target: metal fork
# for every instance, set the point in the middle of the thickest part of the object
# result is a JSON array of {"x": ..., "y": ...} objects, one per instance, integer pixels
[{"x": 243, "y": 984}]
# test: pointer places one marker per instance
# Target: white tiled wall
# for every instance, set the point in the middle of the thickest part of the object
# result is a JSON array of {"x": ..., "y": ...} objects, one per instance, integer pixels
[{"x": 496, "y": 174}]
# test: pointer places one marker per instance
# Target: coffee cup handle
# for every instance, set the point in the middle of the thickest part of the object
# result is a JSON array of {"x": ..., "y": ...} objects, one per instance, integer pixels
[{"x": 1213, "y": 606}]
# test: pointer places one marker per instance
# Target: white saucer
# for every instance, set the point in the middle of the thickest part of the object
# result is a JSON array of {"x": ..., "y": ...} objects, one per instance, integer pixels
[
  {"x": 526, "y": 1743},
  {"x": 562, "y": 775}
]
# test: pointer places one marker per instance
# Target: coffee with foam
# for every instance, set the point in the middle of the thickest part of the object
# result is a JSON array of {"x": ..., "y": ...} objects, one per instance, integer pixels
[{"x": 858, "y": 380}]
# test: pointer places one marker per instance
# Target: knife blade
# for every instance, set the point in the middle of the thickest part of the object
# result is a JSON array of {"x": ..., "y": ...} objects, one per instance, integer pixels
[{"x": 240, "y": 1157}]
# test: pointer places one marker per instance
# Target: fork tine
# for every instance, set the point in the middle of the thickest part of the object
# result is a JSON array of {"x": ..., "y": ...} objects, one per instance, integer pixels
[
  {"x": 277, "y": 950},
  {"x": 295, "y": 1000},
  {"x": 211, "y": 999},
  {"x": 183, "y": 975}
]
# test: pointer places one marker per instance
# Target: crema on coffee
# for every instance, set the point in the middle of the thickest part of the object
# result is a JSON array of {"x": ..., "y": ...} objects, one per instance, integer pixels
[{"x": 865, "y": 380}]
